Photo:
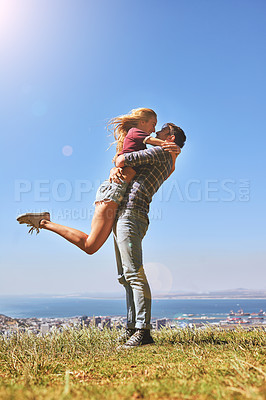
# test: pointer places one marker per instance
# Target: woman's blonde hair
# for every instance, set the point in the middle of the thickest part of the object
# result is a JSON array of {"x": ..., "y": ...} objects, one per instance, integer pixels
[{"x": 121, "y": 125}]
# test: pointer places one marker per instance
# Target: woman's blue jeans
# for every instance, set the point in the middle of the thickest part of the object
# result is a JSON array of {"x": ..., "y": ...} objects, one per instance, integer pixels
[{"x": 129, "y": 230}]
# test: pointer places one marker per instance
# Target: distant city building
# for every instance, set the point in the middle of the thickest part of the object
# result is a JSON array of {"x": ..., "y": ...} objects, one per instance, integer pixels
[
  {"x": 44, "y": 329},
  {"x": 160, "y": 323},
  {"x": 85, "y": 321},
  {"x": 106, "y": 322},
  {"x": 96, "y": 321}
]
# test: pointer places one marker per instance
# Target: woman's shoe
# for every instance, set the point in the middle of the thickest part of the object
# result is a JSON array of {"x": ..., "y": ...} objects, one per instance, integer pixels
[{"x": 33, "y": 220}]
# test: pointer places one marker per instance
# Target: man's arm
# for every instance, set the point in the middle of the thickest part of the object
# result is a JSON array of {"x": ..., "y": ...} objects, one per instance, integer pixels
[
  {"x": 148, "y": 156},
  {"x": 141, "y": 157}
]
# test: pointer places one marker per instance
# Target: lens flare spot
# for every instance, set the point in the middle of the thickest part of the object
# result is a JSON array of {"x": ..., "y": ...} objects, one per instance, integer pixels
[
  {"x": 159, "y": 277},
  {"x": 67, "y": 150}
]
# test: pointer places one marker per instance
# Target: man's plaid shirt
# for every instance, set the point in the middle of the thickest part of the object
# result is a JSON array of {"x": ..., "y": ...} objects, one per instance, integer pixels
[{"x": 153, "y": 166}]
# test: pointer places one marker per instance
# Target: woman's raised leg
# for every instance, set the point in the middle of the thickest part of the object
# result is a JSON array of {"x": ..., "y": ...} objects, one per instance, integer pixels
[{"x": 101, "y": 227}]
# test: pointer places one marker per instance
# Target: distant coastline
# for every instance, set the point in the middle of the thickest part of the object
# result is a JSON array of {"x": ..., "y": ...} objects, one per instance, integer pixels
[
  {"x": 214, "y": 295},
  {"x": 240, "y": 294}
]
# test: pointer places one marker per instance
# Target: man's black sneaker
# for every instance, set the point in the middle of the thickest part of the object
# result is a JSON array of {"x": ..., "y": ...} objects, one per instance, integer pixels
[
  {"x": 147, "y": 339},
  {"x": 126, "y": 335},
  {"x": 140, "y": 338}
]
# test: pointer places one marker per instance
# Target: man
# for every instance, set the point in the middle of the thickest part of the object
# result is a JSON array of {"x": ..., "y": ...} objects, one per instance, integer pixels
[{"x": 153, "y": 166}]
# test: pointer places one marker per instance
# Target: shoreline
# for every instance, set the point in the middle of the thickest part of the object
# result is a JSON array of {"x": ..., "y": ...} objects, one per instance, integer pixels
[{"x": 156, "y": 297}]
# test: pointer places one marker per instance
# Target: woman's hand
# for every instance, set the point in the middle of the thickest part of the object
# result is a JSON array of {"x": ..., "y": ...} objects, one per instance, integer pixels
[
  {"x": 116, "y": 174},
  {"x": 171, "y": 147}
]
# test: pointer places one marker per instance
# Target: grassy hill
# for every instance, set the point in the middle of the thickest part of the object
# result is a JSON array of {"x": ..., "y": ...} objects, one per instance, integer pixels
[{"x": 86, "y": 364}]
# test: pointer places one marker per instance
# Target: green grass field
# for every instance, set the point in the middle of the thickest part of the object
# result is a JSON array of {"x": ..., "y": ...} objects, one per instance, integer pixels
[{"x": 183, "y": 364}]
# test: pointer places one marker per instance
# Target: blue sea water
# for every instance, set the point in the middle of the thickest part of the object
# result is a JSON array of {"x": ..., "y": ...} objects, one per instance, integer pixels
[{"x": 55, "y": 307}]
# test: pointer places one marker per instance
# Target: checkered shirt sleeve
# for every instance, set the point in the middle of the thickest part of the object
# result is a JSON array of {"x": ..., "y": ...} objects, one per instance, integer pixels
[{"x": 154, "y": 155}]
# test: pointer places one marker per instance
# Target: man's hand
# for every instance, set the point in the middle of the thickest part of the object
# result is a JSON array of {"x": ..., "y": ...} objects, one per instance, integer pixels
[
  {"x": 115, "y": 174},
  {"x": 171, "y": 147}
]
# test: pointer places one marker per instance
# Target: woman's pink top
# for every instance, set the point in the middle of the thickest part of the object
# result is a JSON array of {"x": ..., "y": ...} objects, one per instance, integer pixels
[{"x": 134, "y": 141}]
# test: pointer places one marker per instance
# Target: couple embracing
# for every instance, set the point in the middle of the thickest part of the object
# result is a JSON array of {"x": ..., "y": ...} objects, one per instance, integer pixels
[{"x": 122, "y": 205}]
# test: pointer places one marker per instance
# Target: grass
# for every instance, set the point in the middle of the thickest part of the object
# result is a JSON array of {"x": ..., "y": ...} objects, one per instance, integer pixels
[{"x": 85, "y": 364}]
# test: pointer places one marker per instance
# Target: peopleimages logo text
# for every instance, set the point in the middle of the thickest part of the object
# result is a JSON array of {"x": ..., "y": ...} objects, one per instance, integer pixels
[{"x": 192, "y": 190}]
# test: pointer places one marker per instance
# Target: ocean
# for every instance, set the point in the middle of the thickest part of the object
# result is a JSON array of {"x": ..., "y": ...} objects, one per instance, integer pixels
[{"x": 56, "y": 307}]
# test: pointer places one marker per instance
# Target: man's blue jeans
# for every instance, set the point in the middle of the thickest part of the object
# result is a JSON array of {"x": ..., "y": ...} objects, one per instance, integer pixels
[{"x": 129, "y": 230}]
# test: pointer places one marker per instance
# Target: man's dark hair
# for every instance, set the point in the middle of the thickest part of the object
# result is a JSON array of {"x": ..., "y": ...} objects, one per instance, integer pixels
[{"x": 180, "y": 136}]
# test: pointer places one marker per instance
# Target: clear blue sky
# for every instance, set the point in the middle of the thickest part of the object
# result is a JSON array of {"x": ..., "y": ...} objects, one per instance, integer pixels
[{"x": 66, "y": 68}]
